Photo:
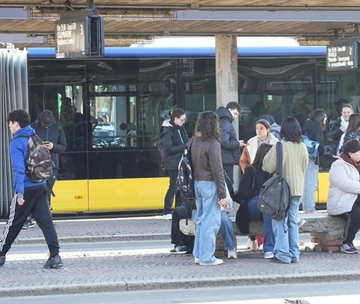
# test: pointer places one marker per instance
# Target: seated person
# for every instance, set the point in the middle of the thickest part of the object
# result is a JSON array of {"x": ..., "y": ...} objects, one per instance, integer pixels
[
  {"x": 184, "y": 243},
  {"x": 344, "y": 192},
  {"x": 248, "y": 196}
]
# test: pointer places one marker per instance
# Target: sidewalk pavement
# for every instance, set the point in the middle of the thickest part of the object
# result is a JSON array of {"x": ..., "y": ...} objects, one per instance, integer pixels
[{"x": 131, "y": 270}]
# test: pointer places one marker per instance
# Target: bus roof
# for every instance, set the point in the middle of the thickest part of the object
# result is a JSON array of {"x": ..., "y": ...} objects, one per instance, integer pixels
[{"x": 138, "y": 52}]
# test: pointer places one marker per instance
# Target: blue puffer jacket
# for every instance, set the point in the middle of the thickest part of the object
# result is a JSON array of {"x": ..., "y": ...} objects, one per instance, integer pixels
[{"x": 18, "y": 152}]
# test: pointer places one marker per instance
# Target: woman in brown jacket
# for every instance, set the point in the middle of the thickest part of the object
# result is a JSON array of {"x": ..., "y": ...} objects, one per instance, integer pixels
[{"x": 209, "y": 187}]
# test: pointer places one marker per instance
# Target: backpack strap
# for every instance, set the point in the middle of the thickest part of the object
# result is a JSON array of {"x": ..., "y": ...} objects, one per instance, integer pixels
[
  {"x": 279, "y": 158},
  {"x": 253, "y": 182}
]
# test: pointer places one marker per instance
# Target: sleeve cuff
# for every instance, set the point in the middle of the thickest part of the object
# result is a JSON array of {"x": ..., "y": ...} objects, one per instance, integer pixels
[{"x": 20, "y": 195}]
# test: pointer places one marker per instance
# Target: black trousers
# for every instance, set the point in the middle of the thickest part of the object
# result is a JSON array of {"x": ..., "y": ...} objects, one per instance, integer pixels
[
  {"x": 50, "y": 185},
  {"x": 36, "y": 202},
  {"x": 172, "y": 191},
  {"x": 352, "y": 224},
  {"x": 177, "y": 237}
]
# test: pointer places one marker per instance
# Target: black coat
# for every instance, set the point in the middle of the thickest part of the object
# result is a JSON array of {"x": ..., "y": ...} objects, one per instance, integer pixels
[
  {"x": 335, "y": 132},
  {"x": 173, "y": 145},
  {"x": 54, "y": 134},
  {"x": 230, "y": 149},
  {"x": 249, "y": 187},
  {"x": 314, "y": 131}
]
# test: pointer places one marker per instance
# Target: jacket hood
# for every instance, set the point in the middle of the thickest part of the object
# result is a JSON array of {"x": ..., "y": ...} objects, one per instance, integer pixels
[
  {"x": 166, "y": 124},
  {"x": 25, "y": 131},
  {"x": 223, "y": 112},
  {"x": 268, "y": 117}
]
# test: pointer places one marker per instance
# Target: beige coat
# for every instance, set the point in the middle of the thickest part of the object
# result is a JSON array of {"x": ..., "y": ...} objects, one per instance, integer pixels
[
  {"x": 249, "y": 152},
  {"x": 295, "y": 161},
  {"x": 344, "y": 187}
]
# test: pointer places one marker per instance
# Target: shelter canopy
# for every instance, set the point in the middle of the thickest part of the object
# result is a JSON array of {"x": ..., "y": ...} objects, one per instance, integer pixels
[{"x": 129, "y": 21}]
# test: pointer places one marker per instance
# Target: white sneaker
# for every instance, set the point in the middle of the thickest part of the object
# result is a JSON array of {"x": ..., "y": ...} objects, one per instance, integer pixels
[
  {"x": 167, "y": 216},
  {"x": 253, "y": 245},
  {"x": 268, "y": 255},
  {"x": 196, "y": 260},
  {"x": 216, "y": 262},
  {"x": 301, "y": 223},
  {"x": 232, "y": 254}
]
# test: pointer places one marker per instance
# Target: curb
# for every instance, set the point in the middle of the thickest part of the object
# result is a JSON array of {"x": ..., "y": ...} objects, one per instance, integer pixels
[
  {"x": 96, "y": 238},
  {"x": 181, "y": 283}
]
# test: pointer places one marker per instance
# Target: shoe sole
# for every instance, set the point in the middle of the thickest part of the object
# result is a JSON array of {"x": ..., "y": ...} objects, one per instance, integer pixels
[
  {"x": 54, "y": 267},
  {"x": 349, "y": 252},
  {"x": 276, "y": 260},
  {"x": 209, "y": 264}
]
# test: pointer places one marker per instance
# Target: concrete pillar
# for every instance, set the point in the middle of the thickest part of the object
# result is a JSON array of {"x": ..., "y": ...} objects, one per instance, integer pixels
[
  {"x": 226, "y": 69},
  {"x": 226, "y": 60}
]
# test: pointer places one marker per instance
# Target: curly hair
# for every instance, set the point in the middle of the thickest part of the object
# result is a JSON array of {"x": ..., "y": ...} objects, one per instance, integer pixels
[
  {"x": 20, "y": 116},
  {"x": 208, "y": 125}
]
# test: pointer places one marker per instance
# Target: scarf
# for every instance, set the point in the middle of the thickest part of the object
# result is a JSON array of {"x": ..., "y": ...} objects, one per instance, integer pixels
[{"x": 350, "y": 161}]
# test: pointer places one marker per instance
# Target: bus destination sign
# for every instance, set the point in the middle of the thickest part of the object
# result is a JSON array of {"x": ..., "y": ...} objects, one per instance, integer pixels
[
  {"x": 70, "y": 38},
  {"x": 342, "y": 57}
]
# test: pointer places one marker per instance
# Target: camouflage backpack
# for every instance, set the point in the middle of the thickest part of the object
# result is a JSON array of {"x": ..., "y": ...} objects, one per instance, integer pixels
[{"x": 39, "y": 165}]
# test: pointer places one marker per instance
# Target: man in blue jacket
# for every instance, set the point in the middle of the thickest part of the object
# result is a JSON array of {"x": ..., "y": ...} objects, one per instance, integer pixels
[
  {"x": 29, "y": 196},
  {"x": 230, "y": 145}
]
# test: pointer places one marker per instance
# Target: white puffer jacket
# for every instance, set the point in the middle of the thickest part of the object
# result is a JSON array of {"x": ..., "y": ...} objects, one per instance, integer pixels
[{"x": 344, "y": 187}]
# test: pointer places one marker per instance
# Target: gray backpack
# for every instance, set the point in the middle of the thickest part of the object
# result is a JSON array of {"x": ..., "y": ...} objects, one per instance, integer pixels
[{"x": 274, "y": 198}]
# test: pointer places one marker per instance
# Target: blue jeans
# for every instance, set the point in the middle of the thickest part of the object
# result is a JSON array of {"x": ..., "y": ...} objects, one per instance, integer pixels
[
  {"x": 256, "y": 215},
  {"x": 287, "y": 233},
  {"x": 311, "y": 183},
  {"x": 208, "y": 220},
  {"x": 227, "y": 231}
]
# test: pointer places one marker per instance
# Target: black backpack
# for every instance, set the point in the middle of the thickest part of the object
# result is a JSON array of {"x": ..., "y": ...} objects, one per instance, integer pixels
[
  {"x": 185, "y": 182},
  {"x": 39, "y": 165},
  {"x": 274, "y": 197},
  {"x": 160, "y": 147}
]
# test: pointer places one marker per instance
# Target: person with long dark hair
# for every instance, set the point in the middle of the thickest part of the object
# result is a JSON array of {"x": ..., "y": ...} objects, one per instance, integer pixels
[
  {"x": 174, "y": 139},
  {"x": 248, "y": 196},
  {"x": 294, "y": 164},
  {"x": 209, "y": 185},
  {"x": 314, "y": 128},
  {"x": 353, "y": 129}
]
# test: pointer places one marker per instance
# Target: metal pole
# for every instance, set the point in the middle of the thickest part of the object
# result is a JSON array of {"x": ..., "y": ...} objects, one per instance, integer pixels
[{"x": 90, "y": 4}]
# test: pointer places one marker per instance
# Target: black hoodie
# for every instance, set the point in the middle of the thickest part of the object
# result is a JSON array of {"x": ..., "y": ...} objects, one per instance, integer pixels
[{"x": 54, "y": 134}]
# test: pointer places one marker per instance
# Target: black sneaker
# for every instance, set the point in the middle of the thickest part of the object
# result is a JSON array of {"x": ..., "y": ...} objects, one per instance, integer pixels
[
  {"x": 2, "y": 260},
  {"x": 28, "y": 224},
  {"x": 348, "y": 248},
  {"x": 54, "y": 262},
  {"x": 180, "y": 249}
]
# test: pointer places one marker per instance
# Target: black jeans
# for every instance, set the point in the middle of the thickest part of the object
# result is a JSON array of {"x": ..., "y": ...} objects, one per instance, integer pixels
[
  {"x": 352, "y": 224},
  {"x": 172, "y": 191},
  {"x": 177, "y": 237}
]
